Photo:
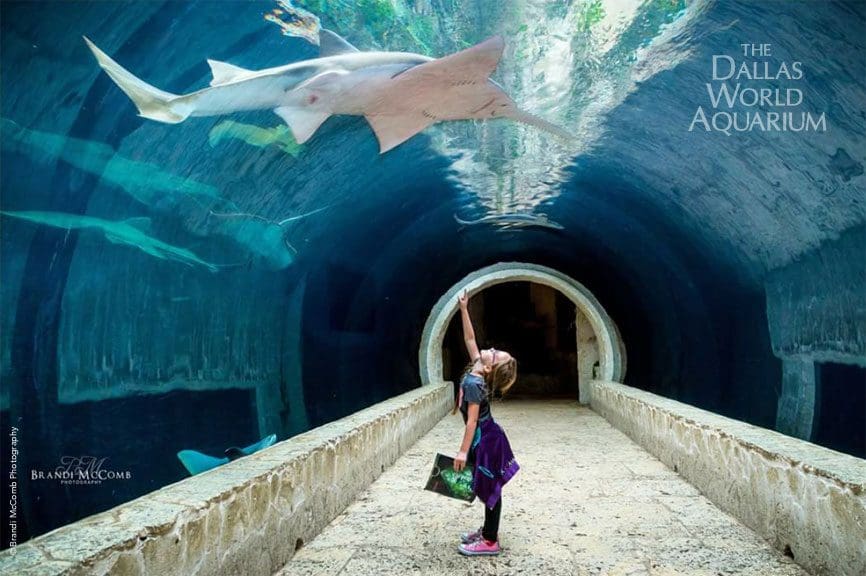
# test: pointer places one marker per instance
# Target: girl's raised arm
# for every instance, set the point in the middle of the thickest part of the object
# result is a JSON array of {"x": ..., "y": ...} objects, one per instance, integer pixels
[{"x": 468, "y": 332}]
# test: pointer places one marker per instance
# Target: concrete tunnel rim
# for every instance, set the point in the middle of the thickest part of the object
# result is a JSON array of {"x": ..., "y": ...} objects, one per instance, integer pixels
[{"x": 610, "y": 346}]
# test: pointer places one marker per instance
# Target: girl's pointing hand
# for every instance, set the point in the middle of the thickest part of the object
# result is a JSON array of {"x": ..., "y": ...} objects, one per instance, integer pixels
[{"x": 463, "y": 300}]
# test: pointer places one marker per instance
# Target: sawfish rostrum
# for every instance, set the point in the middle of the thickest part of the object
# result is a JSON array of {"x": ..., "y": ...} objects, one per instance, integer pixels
[{"x": 399, "y": 93}]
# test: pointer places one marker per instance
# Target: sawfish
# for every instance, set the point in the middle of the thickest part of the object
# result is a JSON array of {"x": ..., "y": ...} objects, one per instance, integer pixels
[
  {"x": 513, "y": 221},
  {"x": 399, "y": 93},
  {"x": 145, "y": 182},
  {"x": 158, "y": 189},
  {"x": 131, "y": 232}
]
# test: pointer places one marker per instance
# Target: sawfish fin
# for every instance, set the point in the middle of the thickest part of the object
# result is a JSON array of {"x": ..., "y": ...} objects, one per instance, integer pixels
[
  {"x": 320, "y": 83},
  {"x": 307, "y": 112},
  {"x": 332, "y": 44},
  {"x": 225, "y": 73},
  {"x": 302, "y": 122},
  {"x": 474, "y": 64},
  {"x": 394, "y": 130}
]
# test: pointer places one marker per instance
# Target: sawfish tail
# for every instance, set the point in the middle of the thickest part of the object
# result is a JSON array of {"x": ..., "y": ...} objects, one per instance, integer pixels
[{"x": 151, "y": 102}]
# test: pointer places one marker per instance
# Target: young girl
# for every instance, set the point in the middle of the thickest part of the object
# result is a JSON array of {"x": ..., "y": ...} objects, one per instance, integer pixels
[{"x": 484, "y": 442}]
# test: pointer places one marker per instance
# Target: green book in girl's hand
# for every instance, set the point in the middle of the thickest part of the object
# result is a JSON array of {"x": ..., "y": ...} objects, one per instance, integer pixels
[{"x": 444, "y": 480}]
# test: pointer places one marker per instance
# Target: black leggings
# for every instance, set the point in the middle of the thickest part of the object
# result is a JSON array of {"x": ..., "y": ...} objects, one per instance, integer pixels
[{"x": 490, "y": 531}]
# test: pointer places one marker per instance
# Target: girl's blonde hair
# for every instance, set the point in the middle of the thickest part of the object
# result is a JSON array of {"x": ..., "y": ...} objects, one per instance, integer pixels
[{"x": 500, "y": 379}]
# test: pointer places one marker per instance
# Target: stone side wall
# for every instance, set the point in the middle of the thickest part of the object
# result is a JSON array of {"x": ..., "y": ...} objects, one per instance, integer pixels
[
  {"x": 248, "y": 516},
  {"x": 802, "y": 498}
]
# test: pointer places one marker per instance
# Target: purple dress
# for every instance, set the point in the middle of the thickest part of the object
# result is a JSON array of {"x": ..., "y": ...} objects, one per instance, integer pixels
[{"x": 490, "y": 453}]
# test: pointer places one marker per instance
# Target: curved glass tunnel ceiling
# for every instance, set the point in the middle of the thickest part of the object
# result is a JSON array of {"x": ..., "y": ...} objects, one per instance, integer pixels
[{"x": 201, "y": 285}]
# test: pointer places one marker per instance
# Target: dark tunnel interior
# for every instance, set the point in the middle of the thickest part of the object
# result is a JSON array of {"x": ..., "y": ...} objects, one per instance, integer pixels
[{"x": 533, "y": 322}]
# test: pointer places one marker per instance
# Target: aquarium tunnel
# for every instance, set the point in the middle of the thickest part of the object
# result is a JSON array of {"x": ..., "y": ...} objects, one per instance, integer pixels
[{"x": 174, "y": 279}]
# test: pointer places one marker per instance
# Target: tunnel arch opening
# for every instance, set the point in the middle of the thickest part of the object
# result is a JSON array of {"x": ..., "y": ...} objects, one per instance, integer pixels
[
  {"x": 608, "y": 346},
  {"x": 537, "y": 325}
]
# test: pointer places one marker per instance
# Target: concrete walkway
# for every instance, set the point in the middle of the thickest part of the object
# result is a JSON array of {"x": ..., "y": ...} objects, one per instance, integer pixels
[{"x": 587, "y": 501}]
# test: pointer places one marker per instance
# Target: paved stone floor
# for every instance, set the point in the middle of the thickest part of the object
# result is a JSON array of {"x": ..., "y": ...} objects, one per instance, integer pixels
[{"x": 587, "y": 501}]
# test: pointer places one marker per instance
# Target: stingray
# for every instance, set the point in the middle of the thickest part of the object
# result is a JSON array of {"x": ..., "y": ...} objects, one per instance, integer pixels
[{"x": 196, "y": 462}]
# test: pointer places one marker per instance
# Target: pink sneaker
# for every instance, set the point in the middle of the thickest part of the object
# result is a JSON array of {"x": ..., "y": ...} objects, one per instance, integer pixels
[
  {"x": 468, "y": 537},
  {"x": 480, "y": 547}
]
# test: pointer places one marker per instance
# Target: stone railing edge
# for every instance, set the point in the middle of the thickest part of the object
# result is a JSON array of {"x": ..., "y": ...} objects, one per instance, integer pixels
[
  {"x": 708, "y": 449},
  {"x": 792, "y": 449},
  {"x": 248, "y": 515}
]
